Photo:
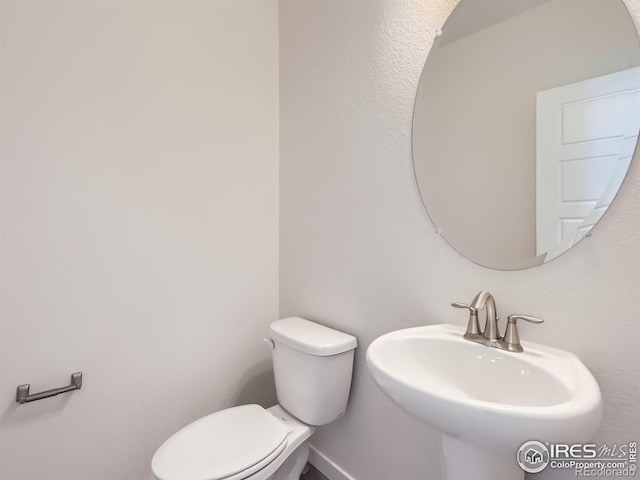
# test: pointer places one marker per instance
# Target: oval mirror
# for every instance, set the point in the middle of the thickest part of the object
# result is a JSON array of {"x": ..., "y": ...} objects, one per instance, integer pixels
[{"x": 525, "y": 123}]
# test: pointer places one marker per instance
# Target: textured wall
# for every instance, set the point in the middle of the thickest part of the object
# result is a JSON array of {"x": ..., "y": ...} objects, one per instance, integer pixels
[
  {"x": 138, "y": 207},
  {"x": 359, "y": 253}
]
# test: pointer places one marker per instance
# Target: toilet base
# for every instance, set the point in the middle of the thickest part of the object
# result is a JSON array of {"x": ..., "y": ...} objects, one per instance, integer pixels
[
  {"x": 289, "y": 464},
  {"x": 292, "y": 467}
]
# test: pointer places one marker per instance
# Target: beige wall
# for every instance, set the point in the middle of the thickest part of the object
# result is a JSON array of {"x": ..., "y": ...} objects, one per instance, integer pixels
[
  {"x": 138, "y": 224},
  {"x": 359, "y": 253},
  {"x": 475, "y": 121}
]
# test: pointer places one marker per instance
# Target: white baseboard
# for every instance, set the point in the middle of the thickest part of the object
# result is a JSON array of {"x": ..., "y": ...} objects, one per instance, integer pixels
[{"x": 326, "y": 466}]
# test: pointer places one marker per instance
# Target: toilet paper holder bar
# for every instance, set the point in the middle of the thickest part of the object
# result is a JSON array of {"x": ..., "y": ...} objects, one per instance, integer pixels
[{"x": 22, "y": 394}]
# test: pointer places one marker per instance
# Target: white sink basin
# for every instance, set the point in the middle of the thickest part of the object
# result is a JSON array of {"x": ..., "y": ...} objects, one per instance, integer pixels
[{"x": 485, "y": 398}]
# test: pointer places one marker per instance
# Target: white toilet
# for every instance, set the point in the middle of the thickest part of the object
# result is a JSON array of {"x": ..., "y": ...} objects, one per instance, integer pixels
[{"x": 312, "y": 365}]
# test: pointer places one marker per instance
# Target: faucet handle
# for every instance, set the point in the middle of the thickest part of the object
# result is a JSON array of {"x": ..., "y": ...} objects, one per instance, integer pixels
[
  {"x": 528, "y": 318},
  {"x": 473, "y": 327},
  {"x": 511, "y": 336},
  {"x": 464, "y": 305}
]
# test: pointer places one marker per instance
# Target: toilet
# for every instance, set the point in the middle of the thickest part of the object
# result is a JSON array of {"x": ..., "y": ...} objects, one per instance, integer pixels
[{"x": 312, "y": 365}]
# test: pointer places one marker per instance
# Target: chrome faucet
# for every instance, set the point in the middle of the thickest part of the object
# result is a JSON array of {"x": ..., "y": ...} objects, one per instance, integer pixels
[{"x": 490, "y": 335}]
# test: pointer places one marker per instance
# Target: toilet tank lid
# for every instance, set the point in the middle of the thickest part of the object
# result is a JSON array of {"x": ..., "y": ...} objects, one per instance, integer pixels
[{"x": 312, "y": 338}]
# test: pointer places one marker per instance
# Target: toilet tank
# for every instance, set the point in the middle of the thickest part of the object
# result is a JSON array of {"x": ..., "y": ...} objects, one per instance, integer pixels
[{"x": 312, "y": 365}]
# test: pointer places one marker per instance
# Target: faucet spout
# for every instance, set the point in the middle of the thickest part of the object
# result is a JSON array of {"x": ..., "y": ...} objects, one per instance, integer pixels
[{"x": 484, "y": 300}]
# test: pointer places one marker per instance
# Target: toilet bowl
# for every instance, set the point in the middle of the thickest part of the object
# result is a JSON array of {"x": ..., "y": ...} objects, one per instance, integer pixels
[
  {"x": 245, "y": 442},
  {"x": 312, "y": 368}
]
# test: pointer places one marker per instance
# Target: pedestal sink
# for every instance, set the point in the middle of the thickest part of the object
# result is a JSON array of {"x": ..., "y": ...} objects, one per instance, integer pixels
[{"x": 486, "y": 402}]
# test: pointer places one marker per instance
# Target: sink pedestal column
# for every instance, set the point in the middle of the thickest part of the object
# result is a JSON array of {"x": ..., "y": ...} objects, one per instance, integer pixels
[{"x": 464, "y": 461}]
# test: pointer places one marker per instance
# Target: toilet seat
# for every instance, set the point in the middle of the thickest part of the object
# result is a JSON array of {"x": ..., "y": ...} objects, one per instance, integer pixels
[{"x": 231, "y": 444}]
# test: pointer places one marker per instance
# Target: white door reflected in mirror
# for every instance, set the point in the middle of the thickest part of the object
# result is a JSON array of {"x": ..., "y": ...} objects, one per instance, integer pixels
[{"x": 586, "y": 134}]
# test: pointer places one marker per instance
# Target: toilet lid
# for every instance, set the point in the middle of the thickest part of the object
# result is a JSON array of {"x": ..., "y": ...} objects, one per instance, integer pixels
[{"x": 229, "y": 444}]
